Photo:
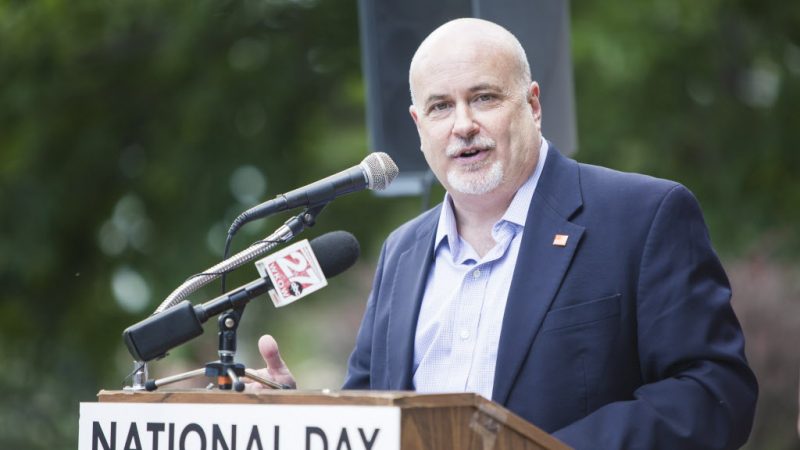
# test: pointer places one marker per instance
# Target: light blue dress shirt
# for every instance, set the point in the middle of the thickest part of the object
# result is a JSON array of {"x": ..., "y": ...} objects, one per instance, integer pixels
[{"x": 458, "y": 330}]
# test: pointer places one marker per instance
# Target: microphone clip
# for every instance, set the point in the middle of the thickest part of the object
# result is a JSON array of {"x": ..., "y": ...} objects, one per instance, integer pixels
[{"x": 309, "y": 216}]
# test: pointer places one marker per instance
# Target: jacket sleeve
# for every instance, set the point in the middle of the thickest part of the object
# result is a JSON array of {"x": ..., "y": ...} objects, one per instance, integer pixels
[{"x": 698, "y": 390}]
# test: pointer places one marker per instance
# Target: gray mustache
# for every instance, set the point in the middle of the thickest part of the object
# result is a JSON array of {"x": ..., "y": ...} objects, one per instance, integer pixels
[{"x": 478, "y": 142}]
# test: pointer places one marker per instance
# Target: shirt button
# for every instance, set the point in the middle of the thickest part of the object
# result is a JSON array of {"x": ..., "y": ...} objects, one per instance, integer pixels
[
  {"x": 476, "y": 273},
  {"x": 464, "y": 335}
]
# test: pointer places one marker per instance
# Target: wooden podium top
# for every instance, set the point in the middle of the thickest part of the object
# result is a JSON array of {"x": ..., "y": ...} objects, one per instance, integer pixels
[
  {"x": 473, "y": 419},
  {"x": 301, "y": 397}
]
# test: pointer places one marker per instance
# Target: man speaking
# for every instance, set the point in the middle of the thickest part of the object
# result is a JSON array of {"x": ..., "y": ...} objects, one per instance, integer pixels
[{"x": 588, "y": 301}]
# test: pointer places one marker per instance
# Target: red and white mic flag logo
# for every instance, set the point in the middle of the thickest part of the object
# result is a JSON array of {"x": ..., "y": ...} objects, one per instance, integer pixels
[{"x": 294, "y": 272}]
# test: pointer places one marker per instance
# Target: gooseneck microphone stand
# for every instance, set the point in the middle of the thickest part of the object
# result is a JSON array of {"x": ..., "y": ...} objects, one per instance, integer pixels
[{"x": 228, "y": 373}]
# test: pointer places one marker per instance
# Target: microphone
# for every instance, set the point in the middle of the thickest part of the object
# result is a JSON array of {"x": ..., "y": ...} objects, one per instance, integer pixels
[
  {"x": 153, "y": 337},
  {"x": 375, "y": 172}
]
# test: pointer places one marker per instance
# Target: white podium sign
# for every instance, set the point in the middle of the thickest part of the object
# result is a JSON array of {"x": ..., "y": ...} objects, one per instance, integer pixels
[{"x": 183, "y": 426}]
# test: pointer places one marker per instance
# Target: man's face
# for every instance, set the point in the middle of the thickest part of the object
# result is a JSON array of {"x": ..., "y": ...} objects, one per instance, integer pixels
[{"x": 479, "y": 126}]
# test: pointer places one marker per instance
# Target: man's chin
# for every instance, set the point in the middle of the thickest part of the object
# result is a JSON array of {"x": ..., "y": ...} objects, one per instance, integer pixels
[{"x": 476, "y": 183}]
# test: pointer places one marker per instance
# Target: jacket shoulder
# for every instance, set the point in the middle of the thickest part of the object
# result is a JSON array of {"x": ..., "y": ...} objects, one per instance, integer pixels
[
  {"x": 604, "y": 179},
  {"x": 414, "y": 229}
]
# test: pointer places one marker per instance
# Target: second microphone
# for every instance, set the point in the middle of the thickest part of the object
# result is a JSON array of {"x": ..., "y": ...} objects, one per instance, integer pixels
[{"x": 153, "y": 337}]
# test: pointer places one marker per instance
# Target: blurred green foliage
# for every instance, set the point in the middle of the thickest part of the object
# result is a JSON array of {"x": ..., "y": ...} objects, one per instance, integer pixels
[
  {"x": 132, "y": 132},
  {"x": 705, "y": 93}
]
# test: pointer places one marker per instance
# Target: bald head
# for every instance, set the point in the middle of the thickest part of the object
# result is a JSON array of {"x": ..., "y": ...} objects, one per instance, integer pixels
[{"x": 468, "y": 36}]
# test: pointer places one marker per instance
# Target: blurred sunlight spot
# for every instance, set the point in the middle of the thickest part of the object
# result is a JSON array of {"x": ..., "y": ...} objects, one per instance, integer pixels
[
  {"x": 250, "y": 119},
  {"x": 215, "y": 238},
  {"x": 128, "y": 210},
  {"x": 248, "y": 185},
  {"x": 139, "y": 234},
  {"x": 130, "y": 290},
  {"x": 128, "y": 226},
  {"x": 759, "y": 86},
  {"x": 111, "y": 239},
  {"x": 247, "y": 53},
  {"x": 792, "y": 58}
]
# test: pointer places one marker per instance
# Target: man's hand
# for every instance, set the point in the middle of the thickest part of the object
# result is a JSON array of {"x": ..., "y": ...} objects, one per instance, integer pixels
[{"x": 276, "y": 369}]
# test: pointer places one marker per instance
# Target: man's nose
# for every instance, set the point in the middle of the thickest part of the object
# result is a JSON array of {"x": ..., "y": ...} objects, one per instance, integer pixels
[{"x": 464, "y": 125}]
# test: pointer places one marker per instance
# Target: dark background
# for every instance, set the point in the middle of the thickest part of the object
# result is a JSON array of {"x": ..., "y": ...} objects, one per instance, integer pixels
[{"x": 132, "y": 133}]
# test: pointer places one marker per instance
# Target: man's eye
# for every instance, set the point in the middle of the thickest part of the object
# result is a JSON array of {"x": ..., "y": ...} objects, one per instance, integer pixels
[
  {"x": 484, "y": 97},
  {"x": 438, "y": 107}
]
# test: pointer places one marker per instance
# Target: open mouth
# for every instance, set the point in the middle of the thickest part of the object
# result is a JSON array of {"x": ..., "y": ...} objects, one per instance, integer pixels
[
  {"x": 470, "y": 150},
  {"x": 469, "y": 153}
]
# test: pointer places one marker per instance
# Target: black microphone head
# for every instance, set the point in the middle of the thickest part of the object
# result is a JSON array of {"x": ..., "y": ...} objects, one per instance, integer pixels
[
  {"x": 336, "y": 252},
  {"x": 380, "y": 170}
]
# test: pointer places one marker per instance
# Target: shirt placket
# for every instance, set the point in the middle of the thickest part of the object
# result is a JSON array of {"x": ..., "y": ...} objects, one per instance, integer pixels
[
  {"x": 478, "y": 379},
  {"x": 467, "y": 318}
]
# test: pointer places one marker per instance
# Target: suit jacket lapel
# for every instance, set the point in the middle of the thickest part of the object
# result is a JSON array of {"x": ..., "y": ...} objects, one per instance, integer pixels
[
  {"x": 541, "y": 266},
  {"x": 408, "y": 288}
]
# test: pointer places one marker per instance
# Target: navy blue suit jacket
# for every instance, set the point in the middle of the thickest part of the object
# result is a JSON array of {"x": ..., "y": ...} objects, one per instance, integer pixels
[{"x": 623, "y": 338}]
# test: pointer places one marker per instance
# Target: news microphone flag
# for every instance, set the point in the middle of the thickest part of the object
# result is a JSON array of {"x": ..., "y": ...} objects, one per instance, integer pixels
[{"x": 294, "y": 272}]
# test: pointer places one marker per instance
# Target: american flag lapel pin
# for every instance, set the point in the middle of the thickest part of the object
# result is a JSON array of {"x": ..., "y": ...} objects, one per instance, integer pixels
[{"x": 560, "y": 240}]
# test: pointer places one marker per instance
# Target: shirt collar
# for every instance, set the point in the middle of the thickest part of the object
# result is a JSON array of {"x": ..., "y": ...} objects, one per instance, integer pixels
[{"x": 516, "y": 213}]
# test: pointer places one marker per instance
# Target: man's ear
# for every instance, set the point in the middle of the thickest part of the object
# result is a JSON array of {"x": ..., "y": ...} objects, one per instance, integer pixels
[
  {"x": 533, "y": 100},
  {"x": 413, "y": 111}
]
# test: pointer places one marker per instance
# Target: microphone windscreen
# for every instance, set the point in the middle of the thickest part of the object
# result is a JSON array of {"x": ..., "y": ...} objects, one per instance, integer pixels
[
  {"x": 380, "y": 170},
  {"x": 336, "y": 252}
]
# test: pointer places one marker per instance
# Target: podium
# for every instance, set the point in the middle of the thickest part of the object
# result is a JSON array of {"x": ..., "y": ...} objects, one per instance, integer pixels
[{"x": 308, "y": 420}]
